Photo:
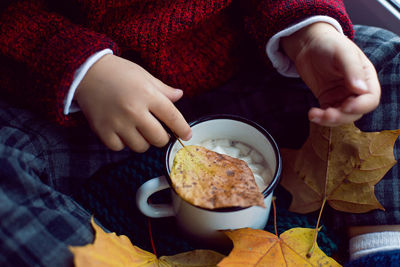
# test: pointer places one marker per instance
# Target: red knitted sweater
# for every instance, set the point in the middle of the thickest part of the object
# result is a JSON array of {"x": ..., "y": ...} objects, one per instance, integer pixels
[{"x": 188, "y": 44}]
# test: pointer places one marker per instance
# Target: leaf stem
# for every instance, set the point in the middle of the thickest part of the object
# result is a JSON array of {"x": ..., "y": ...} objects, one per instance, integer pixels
[
  {"x": 310, "y": 252},
  {"x": 178, "y": 139},
  {"x": 151, "y": 238},
  {"x": 273, "y": 205},
  {"x": 316, "y": 230}
]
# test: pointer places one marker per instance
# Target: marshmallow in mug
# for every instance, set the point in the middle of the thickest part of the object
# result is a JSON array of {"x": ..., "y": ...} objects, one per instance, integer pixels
[{"x": 256, "y": 162}]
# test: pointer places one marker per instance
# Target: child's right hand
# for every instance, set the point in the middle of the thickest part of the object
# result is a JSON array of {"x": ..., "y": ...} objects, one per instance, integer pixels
[{"x": 122, "y": 103}]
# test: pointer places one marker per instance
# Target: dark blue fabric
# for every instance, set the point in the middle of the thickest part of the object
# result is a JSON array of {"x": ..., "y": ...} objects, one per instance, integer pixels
[
  {"x": 41, "y": 165},
  {"x": 384, "y": 259},
  {"x": 36, "y": 221}
]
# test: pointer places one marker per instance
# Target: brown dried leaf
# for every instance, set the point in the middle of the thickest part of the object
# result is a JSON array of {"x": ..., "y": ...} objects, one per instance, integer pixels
[
  {"x": 211, "y": 180},
  {"x": 194, "y": 258},
  {"x": 341, "y": 164}
]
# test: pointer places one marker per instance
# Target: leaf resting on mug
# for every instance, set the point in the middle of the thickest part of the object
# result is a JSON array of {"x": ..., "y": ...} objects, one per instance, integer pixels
[{"x": 211, "y": 180}]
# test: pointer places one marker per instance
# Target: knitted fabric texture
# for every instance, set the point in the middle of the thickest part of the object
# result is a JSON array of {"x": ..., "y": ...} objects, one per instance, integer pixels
[{"x": 192, "y": 45}]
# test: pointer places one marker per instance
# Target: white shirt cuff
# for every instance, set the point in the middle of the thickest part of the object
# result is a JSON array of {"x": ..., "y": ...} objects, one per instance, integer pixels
[
  {"x": 370, "y": 243},
  {"x": 69, "y": 105},
  {"x": 280, "y": 60}
]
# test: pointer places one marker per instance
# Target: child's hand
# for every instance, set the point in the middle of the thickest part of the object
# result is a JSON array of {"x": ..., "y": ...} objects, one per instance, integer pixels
[
  {"x": 337, "y": 71},
  {"x": 122, "y": 103}
]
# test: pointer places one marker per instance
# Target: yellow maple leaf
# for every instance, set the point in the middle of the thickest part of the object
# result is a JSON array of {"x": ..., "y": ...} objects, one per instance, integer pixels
[
  {"x": 211, "y": 180},
  {"x": 339, "y": 164},
  {"x": 108, "y": 249},
  {"x": 253, "y": 247}
]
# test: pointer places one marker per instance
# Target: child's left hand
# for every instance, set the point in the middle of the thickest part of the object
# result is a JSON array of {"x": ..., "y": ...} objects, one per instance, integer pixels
[{"x": 337, "y": 71}]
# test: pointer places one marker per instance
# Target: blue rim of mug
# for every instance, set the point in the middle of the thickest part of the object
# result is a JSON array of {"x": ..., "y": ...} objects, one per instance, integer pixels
[{"x": 277, "y": 175}]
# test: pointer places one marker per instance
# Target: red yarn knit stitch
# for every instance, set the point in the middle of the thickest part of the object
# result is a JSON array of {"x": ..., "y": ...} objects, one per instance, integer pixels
[{"x": 188, "y": 44}]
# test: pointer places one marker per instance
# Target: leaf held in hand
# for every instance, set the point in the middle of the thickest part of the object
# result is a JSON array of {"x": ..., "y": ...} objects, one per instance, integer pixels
[
  {"x": 341, "y": 164},
  {"x": 254, "y": 247},
  {"x": 109, "y": 249},
  {"x": 211, "y": 180}
]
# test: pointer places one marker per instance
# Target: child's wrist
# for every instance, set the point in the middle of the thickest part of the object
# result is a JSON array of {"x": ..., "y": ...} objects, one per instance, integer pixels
[
  {"x": 91, "y": 75},
  {"x": 293, "y": 44}
]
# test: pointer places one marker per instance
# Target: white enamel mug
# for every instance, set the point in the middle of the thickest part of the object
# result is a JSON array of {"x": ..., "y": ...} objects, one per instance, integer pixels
[{"x": 204, "y": 224}]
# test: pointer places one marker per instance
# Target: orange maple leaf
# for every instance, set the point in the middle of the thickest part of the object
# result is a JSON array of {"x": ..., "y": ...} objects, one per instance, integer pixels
[
  {"x": 341, "y": 165},
  {"x": 253, "y": 247}
]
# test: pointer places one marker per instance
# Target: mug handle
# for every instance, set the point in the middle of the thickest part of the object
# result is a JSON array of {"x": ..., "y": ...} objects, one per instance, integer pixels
[{"x": 145, "y": 191}]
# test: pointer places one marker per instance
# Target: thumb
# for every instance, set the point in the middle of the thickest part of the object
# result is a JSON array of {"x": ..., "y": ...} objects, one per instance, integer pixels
[
  {"x": 358, "y": 85},
  {"x": 361, "y": 81},
  {"x": 355, "y": 71}
]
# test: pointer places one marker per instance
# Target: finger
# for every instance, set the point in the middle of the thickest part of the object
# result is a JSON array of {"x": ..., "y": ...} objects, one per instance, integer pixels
[
  {"x": 112, "y": 141},
  {"x": 331, "y": 117},
  {"x": 153, "y": 131},
  {"x": 134, "y": 139},
  {"x": 170, "y": 115},
  {"x": 171, "y": 93},
  {"x": 360, "y": 104}
]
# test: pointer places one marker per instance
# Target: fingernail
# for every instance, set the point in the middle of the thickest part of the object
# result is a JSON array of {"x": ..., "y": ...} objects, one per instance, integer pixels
[
  {"x": 187, "y": 137},
  {"x": 316, "y": 120},
  {"x": 360, "y": 84},
  {"x": 177, "y": 92}
]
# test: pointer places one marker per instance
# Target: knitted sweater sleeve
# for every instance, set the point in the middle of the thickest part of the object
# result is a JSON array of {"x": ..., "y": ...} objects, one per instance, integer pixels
[
  {"x": 268, "y": 17},
  {"x": 39, "y": 53}
]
